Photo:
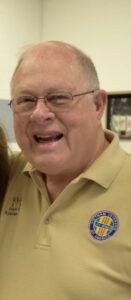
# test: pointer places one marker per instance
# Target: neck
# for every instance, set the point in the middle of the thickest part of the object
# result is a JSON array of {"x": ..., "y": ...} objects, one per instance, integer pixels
[{"x": 55, "y": 184}]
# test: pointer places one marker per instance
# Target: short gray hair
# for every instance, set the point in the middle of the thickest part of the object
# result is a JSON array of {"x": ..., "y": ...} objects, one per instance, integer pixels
[{"x": 84, "y": 61}]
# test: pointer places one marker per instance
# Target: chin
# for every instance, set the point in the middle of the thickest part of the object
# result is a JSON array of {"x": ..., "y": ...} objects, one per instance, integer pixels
[{"x": 47, "y": 167}]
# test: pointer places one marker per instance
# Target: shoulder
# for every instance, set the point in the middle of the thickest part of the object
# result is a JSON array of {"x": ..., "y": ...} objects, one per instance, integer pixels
[
  {"x": 128, "y": 159},
  {"x": 17, "y": 162}
]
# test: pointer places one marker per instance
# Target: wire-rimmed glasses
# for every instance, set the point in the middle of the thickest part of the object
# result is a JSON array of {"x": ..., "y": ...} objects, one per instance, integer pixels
[{"x": 55, "y": 101}]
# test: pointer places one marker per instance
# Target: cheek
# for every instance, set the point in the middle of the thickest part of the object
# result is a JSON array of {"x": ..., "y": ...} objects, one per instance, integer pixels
[
  {"x": 77, "y": 129},
  {"x": 84, "y": 128},
  {"x": 19, "y": 128}
]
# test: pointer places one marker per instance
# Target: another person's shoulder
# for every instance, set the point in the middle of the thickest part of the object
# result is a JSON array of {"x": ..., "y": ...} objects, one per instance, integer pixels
[{"x": 17, "y": 162}]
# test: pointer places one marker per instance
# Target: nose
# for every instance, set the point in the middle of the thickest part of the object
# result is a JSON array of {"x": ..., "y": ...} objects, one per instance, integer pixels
[{"x": 42, "y": 112}]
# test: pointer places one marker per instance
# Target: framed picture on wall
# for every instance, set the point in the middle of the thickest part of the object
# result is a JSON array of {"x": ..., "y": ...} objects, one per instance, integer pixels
[{"x": 119, "y": 114}]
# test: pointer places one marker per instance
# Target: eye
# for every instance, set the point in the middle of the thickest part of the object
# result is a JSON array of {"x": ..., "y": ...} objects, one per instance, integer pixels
[
  {"x": 25, "y": 99},
  {"x": 58, "y": 98}
]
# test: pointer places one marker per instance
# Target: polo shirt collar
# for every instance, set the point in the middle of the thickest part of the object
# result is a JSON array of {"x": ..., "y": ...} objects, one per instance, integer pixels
[{"x": 105, "y": 169}]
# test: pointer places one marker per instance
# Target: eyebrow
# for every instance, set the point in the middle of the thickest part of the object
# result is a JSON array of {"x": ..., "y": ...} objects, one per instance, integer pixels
[{"x": 30, "y": 92}]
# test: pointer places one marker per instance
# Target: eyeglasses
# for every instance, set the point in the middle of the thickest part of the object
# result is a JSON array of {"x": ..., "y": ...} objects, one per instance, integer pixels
[{"x": 56, "y": 102}]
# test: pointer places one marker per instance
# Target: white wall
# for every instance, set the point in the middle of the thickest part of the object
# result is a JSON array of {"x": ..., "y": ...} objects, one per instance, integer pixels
[
  {"x": 102, "y": 28},
  {"x": 20, "y": 24}
]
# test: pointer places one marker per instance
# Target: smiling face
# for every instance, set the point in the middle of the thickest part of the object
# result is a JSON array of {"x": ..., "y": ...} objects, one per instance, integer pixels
[{"x": 62, "y": 143}]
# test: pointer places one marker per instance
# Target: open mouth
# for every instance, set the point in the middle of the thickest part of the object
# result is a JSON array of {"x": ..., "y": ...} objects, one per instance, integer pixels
[{"x": 48, "y": 139}]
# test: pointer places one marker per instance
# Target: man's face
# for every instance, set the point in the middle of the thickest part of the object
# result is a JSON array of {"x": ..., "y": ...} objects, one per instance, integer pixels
[{"x": 62, "y": 143}]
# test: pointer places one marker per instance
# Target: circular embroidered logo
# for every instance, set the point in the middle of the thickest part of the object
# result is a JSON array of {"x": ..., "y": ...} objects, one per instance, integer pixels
[{"x": 103, "y": 225}]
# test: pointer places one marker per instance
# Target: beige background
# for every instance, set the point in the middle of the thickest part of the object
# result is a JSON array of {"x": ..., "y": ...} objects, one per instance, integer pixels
[{"x": 102, "y": 28}]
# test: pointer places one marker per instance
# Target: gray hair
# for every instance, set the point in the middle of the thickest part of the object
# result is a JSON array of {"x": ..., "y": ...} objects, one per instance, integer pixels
[{"x": 84, "y": 61}]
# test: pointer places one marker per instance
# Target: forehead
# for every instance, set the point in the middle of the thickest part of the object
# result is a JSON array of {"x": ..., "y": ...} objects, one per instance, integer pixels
[
  {"x": 50, "y": 63},
  {"x": 46, "y": 53}
]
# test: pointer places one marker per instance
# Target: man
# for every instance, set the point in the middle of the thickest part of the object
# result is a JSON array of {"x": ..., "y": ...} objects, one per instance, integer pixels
[{"x": 64, "y": 226}]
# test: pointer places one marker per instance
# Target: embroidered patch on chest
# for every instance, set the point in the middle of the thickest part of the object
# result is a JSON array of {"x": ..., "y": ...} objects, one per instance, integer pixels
[
  {"x": 103, "y": 225},
  {"x": 14, "y": 207}
]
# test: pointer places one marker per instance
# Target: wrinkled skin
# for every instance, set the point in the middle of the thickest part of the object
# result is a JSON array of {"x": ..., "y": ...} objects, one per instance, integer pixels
[{"x": 55, "y": 68}]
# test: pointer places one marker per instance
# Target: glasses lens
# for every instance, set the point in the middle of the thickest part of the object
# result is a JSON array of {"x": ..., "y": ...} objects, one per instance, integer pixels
[
  {"x": 23, "y": 104},
  {"x": 59, "y": 101}
]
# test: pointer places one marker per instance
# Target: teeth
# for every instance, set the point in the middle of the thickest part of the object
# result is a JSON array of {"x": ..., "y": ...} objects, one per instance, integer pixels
[{"x": 42, "y": 139}]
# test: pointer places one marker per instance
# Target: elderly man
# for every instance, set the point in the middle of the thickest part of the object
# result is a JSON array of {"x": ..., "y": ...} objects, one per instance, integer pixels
[{"x": 64, "y": 227}]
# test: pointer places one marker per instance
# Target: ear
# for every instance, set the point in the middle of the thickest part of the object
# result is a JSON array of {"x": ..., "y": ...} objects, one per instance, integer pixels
[{"x": 100, "y": 100}]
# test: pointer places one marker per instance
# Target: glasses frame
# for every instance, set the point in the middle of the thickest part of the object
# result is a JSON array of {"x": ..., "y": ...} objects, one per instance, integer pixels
[{"x": 44, "y": 98}]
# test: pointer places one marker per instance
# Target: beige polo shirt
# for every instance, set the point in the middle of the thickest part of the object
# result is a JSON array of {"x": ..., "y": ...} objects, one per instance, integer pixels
[{"x": 78, "y": 248}]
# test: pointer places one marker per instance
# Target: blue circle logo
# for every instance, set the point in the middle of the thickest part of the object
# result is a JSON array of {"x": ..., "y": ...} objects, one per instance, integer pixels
[{"x": 103, "y": 225}]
